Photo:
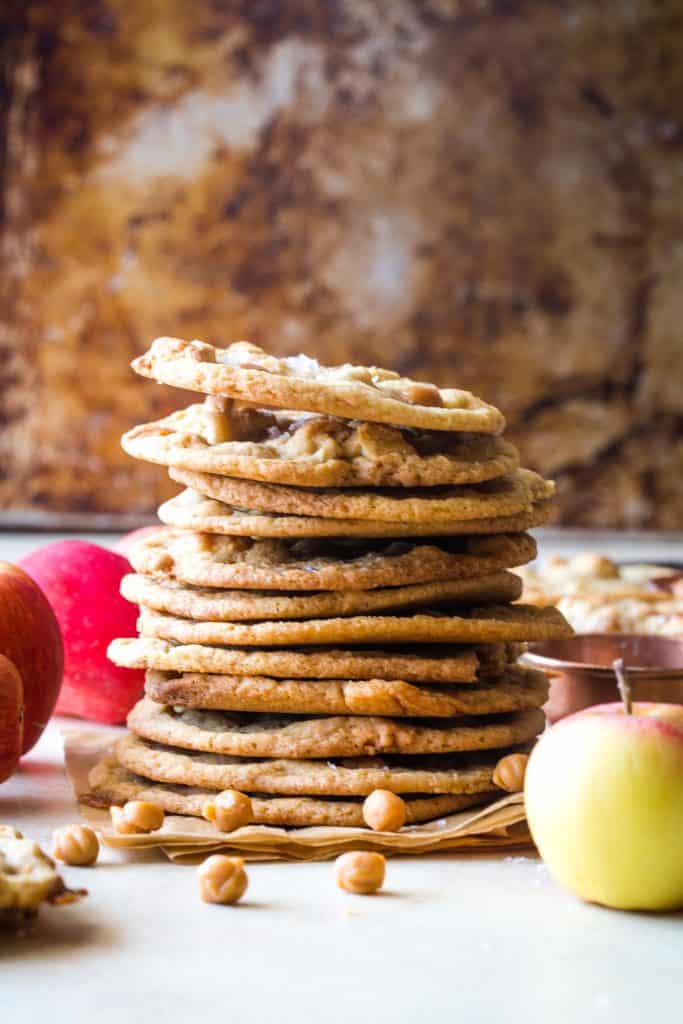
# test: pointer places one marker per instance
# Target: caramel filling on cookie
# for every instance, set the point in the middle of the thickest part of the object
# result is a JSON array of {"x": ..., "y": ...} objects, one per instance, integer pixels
[
  {"x": 326, "y": 437},
  {"x": 420, "y": 394}
]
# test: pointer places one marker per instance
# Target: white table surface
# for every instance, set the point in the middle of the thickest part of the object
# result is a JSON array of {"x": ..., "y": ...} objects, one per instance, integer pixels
[{"x": 459, "y": 938}]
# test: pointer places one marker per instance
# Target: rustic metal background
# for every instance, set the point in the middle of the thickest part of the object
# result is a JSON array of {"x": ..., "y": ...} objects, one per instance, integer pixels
[{"x": 484, "y": 193}]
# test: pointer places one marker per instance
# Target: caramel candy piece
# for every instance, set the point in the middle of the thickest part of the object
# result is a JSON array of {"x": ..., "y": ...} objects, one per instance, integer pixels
[
  {"x": 510, "y": 771},
  {"x": 360, "y": 872},
  {"x": 229, "y": 809},
  {"x": 137, "y": 816},
  {"x": 222, "y": 879},
  {"x": 421, "y": 394},
  {"x": 384, "y": 811},
  {"x": 217, "y": 420},
  {"x": 76, "y": 845}
]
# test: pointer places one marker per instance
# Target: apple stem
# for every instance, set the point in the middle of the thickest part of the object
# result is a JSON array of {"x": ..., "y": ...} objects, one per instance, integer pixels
[{"x": 623, "y": 685}]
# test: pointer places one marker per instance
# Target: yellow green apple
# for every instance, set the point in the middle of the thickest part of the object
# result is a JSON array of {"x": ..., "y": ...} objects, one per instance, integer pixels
[{"x": 604, "y": 801}]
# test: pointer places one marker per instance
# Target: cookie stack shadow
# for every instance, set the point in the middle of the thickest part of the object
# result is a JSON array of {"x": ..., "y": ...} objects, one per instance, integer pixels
[{"x": 329, "y": 608}]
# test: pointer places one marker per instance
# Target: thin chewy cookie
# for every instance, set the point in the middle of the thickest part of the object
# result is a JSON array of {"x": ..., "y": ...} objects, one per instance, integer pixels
[
  {"x": 489, "y": 624},
  {"x": 208, "y": 560},
  {"x": 440, "y": 664},
  {"x": 515, "y": 493},
  {"x": 190, "y": 510},
  {"x": 246, "y": 372},
  {"x": 207, "y": 604},
  {"x": 111, "y": 783},
  {"x": 248, "y": 735},
  {"x": 440, "y": 773},
  {"x": 309, "y": 450},
  {"x": 516, "y": 690}
]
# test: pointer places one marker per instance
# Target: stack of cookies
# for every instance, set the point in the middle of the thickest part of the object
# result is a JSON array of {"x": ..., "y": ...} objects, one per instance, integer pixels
[{"x": 328, "y": 610}]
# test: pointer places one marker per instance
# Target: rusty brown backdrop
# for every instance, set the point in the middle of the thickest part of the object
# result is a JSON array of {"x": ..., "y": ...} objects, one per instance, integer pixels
[{"x": 486, "y": 193}]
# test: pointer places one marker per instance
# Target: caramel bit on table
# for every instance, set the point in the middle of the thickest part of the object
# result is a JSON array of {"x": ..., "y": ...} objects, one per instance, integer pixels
[
  {"x": 76, "y": 845},
  {"x": 360, "y": 872},
  {"x": 222, "y": 879}
]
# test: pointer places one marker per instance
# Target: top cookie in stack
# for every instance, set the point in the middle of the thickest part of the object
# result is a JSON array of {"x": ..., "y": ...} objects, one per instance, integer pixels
[{"x": 327, "y": 509}]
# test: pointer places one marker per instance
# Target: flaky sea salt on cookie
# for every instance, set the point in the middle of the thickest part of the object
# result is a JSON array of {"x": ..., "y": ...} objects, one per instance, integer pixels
[
  {"x": 111, "y": 783},
  {"x": 246, "y": 372}
]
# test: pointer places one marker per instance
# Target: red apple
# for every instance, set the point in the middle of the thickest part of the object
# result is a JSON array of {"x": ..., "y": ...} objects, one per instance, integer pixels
[
  {"x": 604, "y": 800},
  {"x": 124, "y": 544},
  {"x": 30, "y": 638},
  {"x": 82, "y": 582},
  {"x": 11, "y": 717}
]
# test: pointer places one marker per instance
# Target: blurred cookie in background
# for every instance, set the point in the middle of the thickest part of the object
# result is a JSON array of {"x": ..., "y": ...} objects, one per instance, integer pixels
[{"x": 599, "y": 595}]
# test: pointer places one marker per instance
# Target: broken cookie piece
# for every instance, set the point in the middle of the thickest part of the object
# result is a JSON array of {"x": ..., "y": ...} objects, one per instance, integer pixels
[{"x": 28, "y": 877}]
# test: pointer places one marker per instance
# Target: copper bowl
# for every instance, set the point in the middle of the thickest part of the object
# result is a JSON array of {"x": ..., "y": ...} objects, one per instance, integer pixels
[{"x": 580, "y": 669}]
